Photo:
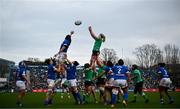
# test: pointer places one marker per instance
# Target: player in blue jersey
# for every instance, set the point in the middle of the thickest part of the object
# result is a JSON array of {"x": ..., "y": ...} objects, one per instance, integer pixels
[
  {"x": 108, "y": 82},
  {"x": 164, "y": 83},
  {"x": 121, "y": 79},
  {"x": 21, "y": 81},
  {"x": 51, "y": 81},
  {"x": 70, "y": 68},
  {"x": 62, "y": 54}
]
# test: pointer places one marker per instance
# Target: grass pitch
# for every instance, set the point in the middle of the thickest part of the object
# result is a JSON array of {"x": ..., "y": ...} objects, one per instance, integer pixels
[{"x": 36, "y": 100}]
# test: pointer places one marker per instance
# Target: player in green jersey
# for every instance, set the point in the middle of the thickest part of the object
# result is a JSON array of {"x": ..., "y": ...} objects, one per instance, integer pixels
[
  {"x": 100, "y": 81},
  {"x": 89, "y": 85},
  {"x": 97, "y": 45},
  {"x": 104, "y": 72},
  {"x": 138, "y": 81}
]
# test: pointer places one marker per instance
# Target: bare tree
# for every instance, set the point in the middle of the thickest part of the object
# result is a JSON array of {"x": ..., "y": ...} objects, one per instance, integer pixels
[
  {"x": 109, "y": 54},
  {"x": 148, "y": 55},
  {"x": 175, "y": 54},
  {"x": 167, "y": 49},
  {"x": 159, "y": 56},
  {"x": 172, "y": 54},
  {"x": 128, "y": 61}
]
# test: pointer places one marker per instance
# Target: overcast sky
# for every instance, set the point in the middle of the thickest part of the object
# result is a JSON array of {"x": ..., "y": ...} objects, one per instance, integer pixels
[{"x": 36, "y": 28}]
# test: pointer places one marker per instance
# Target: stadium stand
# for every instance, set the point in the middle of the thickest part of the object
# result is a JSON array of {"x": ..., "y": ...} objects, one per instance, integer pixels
[{"x": 38, "y": 72}]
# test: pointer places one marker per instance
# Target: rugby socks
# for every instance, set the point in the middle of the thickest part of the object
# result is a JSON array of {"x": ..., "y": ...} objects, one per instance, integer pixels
[
  {"x": 162, "y": 101},
  {"x": 75, "y": 96},
  {"x": 135, "y": 96},
  {"x": 113, "y": 100},
  {"x": 78, "y": 96},
  {"x": 125, "y": 96},
  {"x": 114, "y": 95},
  {"x": 144, "y": 95}
]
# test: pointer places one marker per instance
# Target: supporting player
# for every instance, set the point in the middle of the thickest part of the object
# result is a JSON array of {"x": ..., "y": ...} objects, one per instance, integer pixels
[
  {"x": 101, "y": 79},
  {"x": 164, "y": 83},
  {"x": 51, "y": 81},
  {"x": 71, "y": 78},
  {"x": 109, "y": 81},
  {"x": 21, "y": 78},
  {"x": 89, "y": 85},
  {"x": 138, "y": 81},
  {"x": 121, "y": 79}
]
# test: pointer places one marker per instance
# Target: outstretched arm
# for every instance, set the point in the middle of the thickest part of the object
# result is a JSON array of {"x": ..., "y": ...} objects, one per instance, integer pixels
[{"x": 92, "y": 33}]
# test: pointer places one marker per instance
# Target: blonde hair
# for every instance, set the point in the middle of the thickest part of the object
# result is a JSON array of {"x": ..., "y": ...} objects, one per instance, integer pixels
[{"x": 102, "y": 36}]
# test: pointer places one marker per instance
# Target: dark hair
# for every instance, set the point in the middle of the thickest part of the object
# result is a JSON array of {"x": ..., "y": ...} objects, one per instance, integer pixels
[
  {"x": 75, "y": 63},
  {"x": 161, "y": 64},
  {"x": 68, "y": 37},
  {"x": 87, "y": 65},
  {"x": 134, "y": 67},
  {"x": 22, "y": 64},
  {"x": 47, "y": 61},
  {"x": 109, "y": 63},
  {"x": 121, "y": 62},
  {"x": 54, "y": 61}
]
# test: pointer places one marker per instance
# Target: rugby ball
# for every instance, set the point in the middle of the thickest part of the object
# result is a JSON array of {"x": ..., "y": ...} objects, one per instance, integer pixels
[{"x": 77, "y": 22}]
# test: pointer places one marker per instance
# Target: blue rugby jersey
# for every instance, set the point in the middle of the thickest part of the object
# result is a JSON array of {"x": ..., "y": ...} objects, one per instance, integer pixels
[
  {"x": 20, "y": 73},
  {"x": 71, "y": 71},
  {"x": 120, "y": 72},
  {"x": 65, "y": 43},
  {"x": 163, "y": 72},
  {"x": 51, "y": 72}
]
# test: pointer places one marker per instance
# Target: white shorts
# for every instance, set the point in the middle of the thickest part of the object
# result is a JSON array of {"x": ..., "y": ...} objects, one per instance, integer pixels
[
  {"x": 72, "y": 82},
  {"x": 60, "y": 80},
  {"x": 120, "y": 83},
  {"x": 60, "y": 58},
  {"x": 165, "y": 82},
  {"x": 110, "y": 82},
  {"x": 51, "y": 82},
  {"x": 21, "y": 84}
]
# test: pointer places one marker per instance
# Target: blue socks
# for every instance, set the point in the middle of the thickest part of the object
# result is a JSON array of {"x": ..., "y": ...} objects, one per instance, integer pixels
[
  {"x": 113, "y": 100},
  {"x": 77, "y": 97},
  {"x": 125, "y": 96}
]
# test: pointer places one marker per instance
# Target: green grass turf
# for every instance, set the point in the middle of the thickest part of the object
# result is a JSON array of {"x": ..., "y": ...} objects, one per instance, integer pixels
[{"x": 35, "y": 100}]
